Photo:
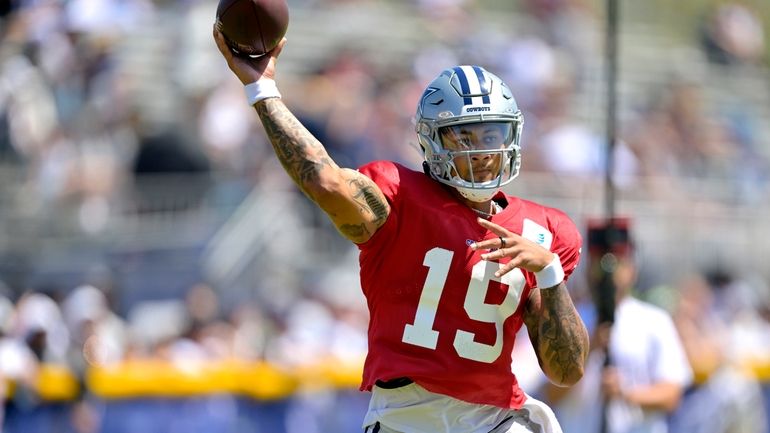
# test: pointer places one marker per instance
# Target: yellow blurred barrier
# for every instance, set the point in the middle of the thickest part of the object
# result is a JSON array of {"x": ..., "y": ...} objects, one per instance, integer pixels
[
  {"x": 159, "y": 378},
  {"x": 257, "y": 380},
  {"x": 758, "y": 368},
  {"x": 56, "y": 383},
  {"x": 52, "y": 382}
]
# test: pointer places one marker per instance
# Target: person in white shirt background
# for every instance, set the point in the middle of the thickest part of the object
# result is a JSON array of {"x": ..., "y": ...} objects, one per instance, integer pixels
[{"x": 648, "y": 370}]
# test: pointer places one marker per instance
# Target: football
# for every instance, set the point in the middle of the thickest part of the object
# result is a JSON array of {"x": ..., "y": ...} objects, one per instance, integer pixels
[{"x": 252, "y": 27}]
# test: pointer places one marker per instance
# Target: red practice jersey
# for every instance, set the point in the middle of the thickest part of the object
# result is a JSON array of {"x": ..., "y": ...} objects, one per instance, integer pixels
[{"x": 438, "y": 314}]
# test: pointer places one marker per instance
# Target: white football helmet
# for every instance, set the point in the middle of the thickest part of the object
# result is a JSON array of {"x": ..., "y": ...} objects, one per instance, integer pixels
[{"x": 462, "y": 97}]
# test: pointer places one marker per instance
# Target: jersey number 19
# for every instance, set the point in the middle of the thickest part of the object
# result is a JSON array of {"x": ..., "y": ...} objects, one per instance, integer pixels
[{"x": 421, "y": 332}]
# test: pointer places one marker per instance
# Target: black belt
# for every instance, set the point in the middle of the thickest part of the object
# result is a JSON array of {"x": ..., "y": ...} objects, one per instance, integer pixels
[{"x": 394, "y": 383}]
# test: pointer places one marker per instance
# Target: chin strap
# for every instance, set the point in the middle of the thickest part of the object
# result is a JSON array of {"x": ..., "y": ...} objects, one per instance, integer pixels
[{"x": 477, "y": 195}]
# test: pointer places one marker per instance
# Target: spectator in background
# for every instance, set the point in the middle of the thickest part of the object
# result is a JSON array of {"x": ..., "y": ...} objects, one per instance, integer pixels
[
  {"x": 18, "y": 363},
  {"x": 733, "y": 34},
  {"x": 568, "y": 147},
  {"x": 225, "y": 129},
  {"x": 167, "y": 152},
  {"x": 722, "y": 384},
  {"x": 570, "y": 26},
  {"x": 647, "y": 372},
  {"x": 40, "y": 324},
  {"x": 99, "y": 336},
  {"x": 36, "y": 336}
]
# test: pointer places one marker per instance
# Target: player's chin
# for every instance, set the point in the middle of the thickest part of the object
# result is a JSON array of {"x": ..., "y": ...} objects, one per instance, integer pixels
[{"x": 483, "y": 176}]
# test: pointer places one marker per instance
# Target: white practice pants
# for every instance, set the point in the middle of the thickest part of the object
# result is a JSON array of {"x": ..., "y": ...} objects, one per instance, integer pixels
[{"x": 413, "y": 409}]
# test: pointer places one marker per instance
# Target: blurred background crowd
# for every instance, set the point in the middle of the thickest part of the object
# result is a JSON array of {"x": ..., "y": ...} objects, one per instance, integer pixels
[{"x": 144, "y": 221}]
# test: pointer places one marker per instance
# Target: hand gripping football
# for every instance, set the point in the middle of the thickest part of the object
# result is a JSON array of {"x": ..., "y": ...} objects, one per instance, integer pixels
[{"x": 252, "y": 27}]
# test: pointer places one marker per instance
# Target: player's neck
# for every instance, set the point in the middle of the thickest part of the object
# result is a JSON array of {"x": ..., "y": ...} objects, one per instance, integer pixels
[{"x": 485, "y": 209}]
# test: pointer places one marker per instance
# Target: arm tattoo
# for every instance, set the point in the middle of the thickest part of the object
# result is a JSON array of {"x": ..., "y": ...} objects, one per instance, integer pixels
[
  {"x": 562, "y": 338},
  {"x": 354, "y": 231},
  {"x": 372, "y": 206},
  {"x": 371, "y": 200},
  {"x": 301, "y": 155},
  {"x": 356, "y": 205}
]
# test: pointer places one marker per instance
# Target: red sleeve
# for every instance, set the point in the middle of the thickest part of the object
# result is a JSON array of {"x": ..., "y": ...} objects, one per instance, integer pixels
[
  {"x": 567, "y": 242},
  {"x": 385, "y": 175}
]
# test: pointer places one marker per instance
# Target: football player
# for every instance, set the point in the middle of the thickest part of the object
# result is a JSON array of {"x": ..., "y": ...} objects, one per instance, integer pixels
[{"x": 451, "y": 267}]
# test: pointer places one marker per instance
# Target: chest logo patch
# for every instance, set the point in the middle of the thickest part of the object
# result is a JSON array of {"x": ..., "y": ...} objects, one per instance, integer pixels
[{"x": 537, "y": 233}]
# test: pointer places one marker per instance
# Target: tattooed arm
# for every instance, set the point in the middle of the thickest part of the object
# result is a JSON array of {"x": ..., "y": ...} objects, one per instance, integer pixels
[
  {"x": 353, "y": 201},
  {"x": 557, "y": 333}
]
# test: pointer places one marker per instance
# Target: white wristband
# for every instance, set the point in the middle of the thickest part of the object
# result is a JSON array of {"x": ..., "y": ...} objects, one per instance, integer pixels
[
  {"x": 262, "y": 89},
  {"x": 551, "y": 275}
]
